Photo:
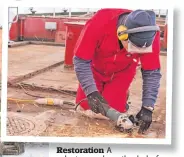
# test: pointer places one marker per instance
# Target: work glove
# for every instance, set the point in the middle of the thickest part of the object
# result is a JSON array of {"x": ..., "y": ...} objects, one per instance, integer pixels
[
  {"x": 97, "y": 103},
  {"x": 144, "y": 118}
]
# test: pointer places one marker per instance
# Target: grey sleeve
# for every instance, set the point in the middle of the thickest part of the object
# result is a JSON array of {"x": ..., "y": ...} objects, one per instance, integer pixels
[
  {"x": 151, "y": 84},
  {"x": 84, "y": 75}
]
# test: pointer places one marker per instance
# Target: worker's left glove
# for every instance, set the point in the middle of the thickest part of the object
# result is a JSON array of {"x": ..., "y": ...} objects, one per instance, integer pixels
[
  {"x": 97, "y": 103},
  {"x": 144, "y": 118}
]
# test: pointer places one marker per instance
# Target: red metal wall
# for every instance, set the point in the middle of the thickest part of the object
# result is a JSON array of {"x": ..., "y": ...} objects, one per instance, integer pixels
[
  {"x": 73, "y": 33},
  {"x": 34, "y": 28},
  {"x": 14, "y": 31}
]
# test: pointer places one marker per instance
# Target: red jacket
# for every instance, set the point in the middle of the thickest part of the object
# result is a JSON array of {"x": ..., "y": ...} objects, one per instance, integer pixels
[{"x": 98, "y": 42}]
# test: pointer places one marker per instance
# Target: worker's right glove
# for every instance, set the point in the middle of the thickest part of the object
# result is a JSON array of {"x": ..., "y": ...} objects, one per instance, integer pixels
[
  {"x": 97, "y": 103},
  {"x": 145, "y": 119}
]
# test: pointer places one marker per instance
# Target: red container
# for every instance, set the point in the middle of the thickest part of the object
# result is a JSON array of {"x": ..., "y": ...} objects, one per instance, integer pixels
[
  {"x": 14, "y": 30},
  {"x": 33, "y": 28},
  {"x": 21, "y": 28},
  {"x": 72, "y": 34}
]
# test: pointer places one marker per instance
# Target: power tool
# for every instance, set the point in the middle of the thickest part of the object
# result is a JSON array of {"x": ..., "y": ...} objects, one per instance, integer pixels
[{"x": 123, "y": 121}]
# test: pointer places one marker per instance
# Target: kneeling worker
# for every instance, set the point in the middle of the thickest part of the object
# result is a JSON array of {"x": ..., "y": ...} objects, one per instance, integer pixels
[{"x": 109, "y": 48}]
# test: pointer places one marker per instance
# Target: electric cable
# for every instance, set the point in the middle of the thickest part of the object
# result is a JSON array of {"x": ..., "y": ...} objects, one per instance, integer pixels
[
  {"x": 21, "y": 100},
  {"x": 79, "y": 103},
  {"x": 29, "y": 93}
]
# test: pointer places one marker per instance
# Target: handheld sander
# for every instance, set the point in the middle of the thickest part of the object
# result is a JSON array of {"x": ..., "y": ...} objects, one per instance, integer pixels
[{"x": 123, "y": 122}]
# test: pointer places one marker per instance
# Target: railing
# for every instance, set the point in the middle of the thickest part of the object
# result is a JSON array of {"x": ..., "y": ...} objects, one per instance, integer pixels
[{"x": 161, "y": 13}]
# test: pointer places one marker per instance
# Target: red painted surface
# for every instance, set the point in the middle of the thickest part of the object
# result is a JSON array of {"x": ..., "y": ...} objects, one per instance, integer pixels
[
  {"x": 21, "y": 28},
  {"x": 33, "y": 28},
  {"x": 72, "y": 34},
  {"x": 165, "y": 37},
  {"x": 60, "y": 36},
  {"x": 14, "y": 31}
]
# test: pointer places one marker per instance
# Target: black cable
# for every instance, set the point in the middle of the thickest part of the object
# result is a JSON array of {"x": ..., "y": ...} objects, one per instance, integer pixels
[
  {"x": 70, "y": 94},
  {"x": 29, "y": 93},
  {"x": 43, "y": 96},
  {"x": 80, "y": 103},
  {"x": 65, "y": 102}
]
